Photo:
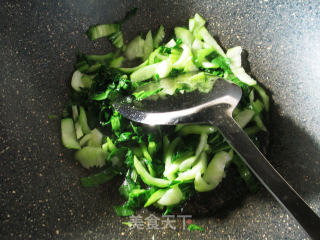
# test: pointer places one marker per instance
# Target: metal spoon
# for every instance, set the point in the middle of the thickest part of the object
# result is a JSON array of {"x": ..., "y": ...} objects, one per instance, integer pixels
[{"x": 216, "y": 108}]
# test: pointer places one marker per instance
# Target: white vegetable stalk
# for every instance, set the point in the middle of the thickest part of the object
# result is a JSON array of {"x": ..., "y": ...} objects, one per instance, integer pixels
[
  {"x": 200, "y": 166},
  {"x": 214, "y": 173},
  {"x": 171, "y": 197},
  {"x": 235, "y": 56}
]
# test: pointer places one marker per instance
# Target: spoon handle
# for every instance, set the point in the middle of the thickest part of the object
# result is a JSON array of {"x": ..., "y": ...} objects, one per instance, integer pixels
[{"x": 269, "y": 177}]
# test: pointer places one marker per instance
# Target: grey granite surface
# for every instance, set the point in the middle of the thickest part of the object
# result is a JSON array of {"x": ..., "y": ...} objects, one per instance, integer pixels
[{"x": 41, "y": 197}]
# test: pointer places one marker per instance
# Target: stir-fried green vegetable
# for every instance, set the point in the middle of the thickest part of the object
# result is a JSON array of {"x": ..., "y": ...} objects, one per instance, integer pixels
[
  {"x": 162, "y": 166},
  {"x": 194, "y": 227}
]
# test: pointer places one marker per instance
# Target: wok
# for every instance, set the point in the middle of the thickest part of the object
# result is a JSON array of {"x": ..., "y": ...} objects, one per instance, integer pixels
[{"x": 41, "y": 197}]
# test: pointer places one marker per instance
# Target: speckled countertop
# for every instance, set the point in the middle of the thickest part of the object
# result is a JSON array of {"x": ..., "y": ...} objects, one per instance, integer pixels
[{"x": 40, "y": 194}]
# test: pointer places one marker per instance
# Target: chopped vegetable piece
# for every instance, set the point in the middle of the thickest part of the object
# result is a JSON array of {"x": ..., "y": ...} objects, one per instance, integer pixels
[
  {"x": 259, "y": 123},
  {"x": 245, "y": 174},
  {"x": 158, "y": 38},
  {"x": 194, "y": 227},
  {"x": 264, "y": 96},
  {"x": 215, "y": 170},
  {"x": 75, "y": 112},
  {"x": 235, "y": 55},
  {"x": 100, "y": 58},
  {"x": 84, "y": 140},
  {"x": 196, "y": 22},
  {"x": 196, "y": 129},
  {"x": 130, "y": 70},
  {"x": 129, "y": 224},
  {"x": 168, "y": 155},
  {"x": 144, "y": 73},
  {"x": 103, "y": 30},
  {"x": 83, "y": 121},
  {"x": 91, "y": 157},
  {"x": 185, "y": 35},
  {"x": 145, "y": 94},
  {"x": 99, "y": 178},
  {"x": 171, "y": 197},
  {"x": 123, "y": 211},
  {"x": 155, "y": 197},
  {"x": 76, "y": 81},
  {"x": 244, "y": 117},
  {"x": 184, "y": 58},
  {"x": 147, "y": 178},
  {"x": 148, "y": 46},
  {"x": 68, "y": 134},
  {"x": 199, "y": 167},
  {"x": 78, "y": 128},
  {"x": 117, "y": 62},
  {"x": 95, "y": 138},
  {"x": 117, "y": 39},
  {"x": 207, "y": 38},
  {"x": 163, "y": 69},
  {"x": 135, "y": 48}
]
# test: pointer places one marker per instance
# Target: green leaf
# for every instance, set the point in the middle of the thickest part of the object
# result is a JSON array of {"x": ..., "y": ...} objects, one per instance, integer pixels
[
  {"x": 129, "y": 224},
  {"x": 99, "y": 178},
  {"x": 115, "y": 121},
  {"x": 175, "y": 72},
  {"x": 194, "y": 227},
  {"x": 117, "y": 39},
  {"x": 245, "y": 174},
  {"x": 257, "y": 106},
  {"x": 101, "y": 96},
  {"x": 127, "y": 186},
  {"x": 125, "y": 136},
  {"x": 222, "y": 62},
  {"x": 123, "y": 211},
  {"x": 165, "y": 50},
  {"x": 129, "y": 158},
  {"x": 158, "y": 38},
  {"x": 144, "y": 94},
  {"x": 119, "y": 152},
  {"x": 102, "y": 30}
]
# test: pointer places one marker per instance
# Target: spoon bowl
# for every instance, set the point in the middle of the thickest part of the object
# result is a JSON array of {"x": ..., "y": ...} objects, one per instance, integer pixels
[{"x": 188, "y": 108}]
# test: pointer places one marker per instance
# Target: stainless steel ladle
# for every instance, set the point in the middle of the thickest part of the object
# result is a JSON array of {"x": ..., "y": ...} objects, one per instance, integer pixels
[{"x": 216, "y": 108}]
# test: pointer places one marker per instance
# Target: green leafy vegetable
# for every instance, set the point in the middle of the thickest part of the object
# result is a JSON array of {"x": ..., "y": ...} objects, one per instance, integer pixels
[
  {"x": 99, "y": 178},
  {"x": 123, "y": 211},
  {"x": 112, "y": 31},
  {"x": 129, "y": 224},
  {"x": 246, "y": 175},
  {"x": 162, "y": 166},
  {"x": 158, "y": 38},
  {"x": 145, "y": 94},
  {"x": 103, "y": 30},
  {"x": 194, "y": 227}
]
